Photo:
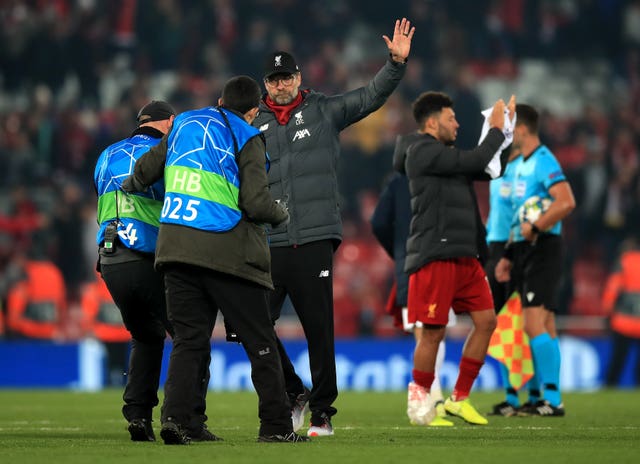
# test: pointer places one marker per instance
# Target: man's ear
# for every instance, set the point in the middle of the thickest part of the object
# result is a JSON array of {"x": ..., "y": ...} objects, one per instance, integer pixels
[
  {"x": 250, "y": 115},
  {"x": 431, "y": 123},
  {"x": 220, "y": 101}
]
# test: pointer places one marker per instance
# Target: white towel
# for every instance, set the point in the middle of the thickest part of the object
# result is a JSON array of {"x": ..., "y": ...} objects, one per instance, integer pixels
[{"x": 494, "y": 167}]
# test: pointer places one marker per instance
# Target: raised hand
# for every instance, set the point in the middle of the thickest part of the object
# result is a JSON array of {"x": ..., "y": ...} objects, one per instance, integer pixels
[
  {"x": 497, "y": 115},
  {"x": 511, "y": 106},
  {"x": 400, "y": 45}
]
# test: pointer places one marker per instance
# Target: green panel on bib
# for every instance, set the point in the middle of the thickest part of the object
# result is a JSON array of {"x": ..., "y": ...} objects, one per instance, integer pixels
[{"x": 201, "y": 184}]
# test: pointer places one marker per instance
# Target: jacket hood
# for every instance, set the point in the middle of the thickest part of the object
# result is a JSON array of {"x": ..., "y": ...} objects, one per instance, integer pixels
[{"x": 403, "y": 142}]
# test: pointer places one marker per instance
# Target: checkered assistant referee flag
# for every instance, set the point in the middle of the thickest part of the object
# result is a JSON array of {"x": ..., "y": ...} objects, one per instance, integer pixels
[{"x": 510, "y": 344}]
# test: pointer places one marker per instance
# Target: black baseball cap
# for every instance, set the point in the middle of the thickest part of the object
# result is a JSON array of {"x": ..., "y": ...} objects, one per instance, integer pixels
[
  {"x": 156, "y": 110},
  {"x": 280, "y": 63}
]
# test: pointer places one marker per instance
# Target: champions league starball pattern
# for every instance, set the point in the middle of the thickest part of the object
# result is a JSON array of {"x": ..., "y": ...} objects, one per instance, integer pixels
[{"x": 533, "y": 208}]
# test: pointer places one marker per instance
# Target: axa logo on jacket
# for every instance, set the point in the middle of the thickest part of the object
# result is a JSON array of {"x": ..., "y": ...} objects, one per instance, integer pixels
[{"x": 300, "y": 134}]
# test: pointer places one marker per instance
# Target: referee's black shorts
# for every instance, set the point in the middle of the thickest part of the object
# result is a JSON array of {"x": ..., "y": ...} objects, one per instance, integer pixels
[
  {"x": 537, "y": 270},
  {"x": 499, "y": 290}
]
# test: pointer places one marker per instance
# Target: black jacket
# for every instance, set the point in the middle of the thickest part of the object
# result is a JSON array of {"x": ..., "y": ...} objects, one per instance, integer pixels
[
  {"x": 446, "y": 223},
  {"x": 390, "y": 225},
  {"x": 304, "y": 155},
  {"x": 391, "y": 218}
]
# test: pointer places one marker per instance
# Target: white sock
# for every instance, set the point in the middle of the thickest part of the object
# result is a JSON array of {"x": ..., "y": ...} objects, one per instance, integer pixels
[{"x": 436, "y": 389}]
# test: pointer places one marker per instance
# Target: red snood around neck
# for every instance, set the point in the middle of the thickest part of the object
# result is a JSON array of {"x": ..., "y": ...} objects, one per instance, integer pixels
[{"x": 283, "y": 112}]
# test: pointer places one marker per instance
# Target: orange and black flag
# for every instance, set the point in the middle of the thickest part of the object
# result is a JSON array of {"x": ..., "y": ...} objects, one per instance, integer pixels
[{"x": 510, "y": 344}]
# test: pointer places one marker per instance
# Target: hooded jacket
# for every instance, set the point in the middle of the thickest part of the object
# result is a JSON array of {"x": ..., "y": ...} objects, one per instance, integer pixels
[{"x": 445, "y": 219}]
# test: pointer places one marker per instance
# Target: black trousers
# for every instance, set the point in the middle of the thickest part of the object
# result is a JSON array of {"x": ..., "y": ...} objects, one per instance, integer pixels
[
  {"x": 138, "y": 291},
  {"x": 305, "y": 273},
  {"x": 194, "y": 295},
  {"x": 499, "y": 290},
  {"x": 621, "y": 347}
]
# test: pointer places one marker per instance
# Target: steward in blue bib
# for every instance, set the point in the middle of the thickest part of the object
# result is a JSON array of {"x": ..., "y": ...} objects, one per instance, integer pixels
[{"x": 201, "y": 174}]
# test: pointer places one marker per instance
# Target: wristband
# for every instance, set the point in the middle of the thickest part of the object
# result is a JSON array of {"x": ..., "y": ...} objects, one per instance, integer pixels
[
  {"x": 534, "y": 228},
  {"x": 507, "y": 253}
]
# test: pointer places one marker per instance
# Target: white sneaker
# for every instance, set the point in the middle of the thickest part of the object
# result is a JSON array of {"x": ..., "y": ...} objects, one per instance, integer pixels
[
  {"x": 321, "y": 428},
  {"x": 299, "y": 408},
  {"x": 420, "y": 408}
]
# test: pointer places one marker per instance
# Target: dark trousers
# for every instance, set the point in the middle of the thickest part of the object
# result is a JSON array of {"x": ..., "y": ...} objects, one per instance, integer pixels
[
  {"x": 499, "y": 290},
  {"x": 621, "y": 348},
  {"x": 138, "y": 291},
  {"x": 305, "y": 273},
  {"x": 194, "y": 295}
]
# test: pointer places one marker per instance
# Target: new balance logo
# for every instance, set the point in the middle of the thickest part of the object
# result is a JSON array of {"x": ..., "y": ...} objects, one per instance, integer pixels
[
  {"x": 301, "y": 134},
  {"x": 324, "y": 273}
]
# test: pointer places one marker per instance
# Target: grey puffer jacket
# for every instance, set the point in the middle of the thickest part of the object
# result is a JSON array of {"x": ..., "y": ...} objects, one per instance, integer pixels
[{"x": 304, "y": 155}]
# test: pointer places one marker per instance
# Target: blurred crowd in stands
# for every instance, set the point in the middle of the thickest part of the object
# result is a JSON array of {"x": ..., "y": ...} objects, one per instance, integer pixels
[{"x": 73, "y": 74}]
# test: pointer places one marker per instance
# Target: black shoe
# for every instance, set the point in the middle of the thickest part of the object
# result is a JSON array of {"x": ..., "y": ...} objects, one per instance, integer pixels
[
  {"x": 527, "y": 409},
  {"x": 141, "y": 430},
  {"x": 504, "y": 409},
  {"x": 173, "y": 434},
  {"x": 204, "y": 435},
  {"x": 290, "y": 437},
  {"x": 546, "y": 409}
]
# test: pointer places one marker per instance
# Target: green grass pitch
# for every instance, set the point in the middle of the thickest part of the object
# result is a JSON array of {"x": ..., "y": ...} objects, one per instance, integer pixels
[{"x": 54, "y": 426}]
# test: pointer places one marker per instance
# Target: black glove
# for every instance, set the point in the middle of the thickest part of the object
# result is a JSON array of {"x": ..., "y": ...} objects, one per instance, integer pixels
[{"x": 130, "y": 184}]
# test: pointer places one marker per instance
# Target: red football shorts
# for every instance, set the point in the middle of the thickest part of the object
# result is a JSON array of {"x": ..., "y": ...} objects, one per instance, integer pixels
[{"x": 458, "y": 283}]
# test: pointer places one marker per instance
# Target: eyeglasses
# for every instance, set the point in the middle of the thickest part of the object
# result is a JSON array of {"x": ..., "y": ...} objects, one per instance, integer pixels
[{"x": 273, "y": 81}]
